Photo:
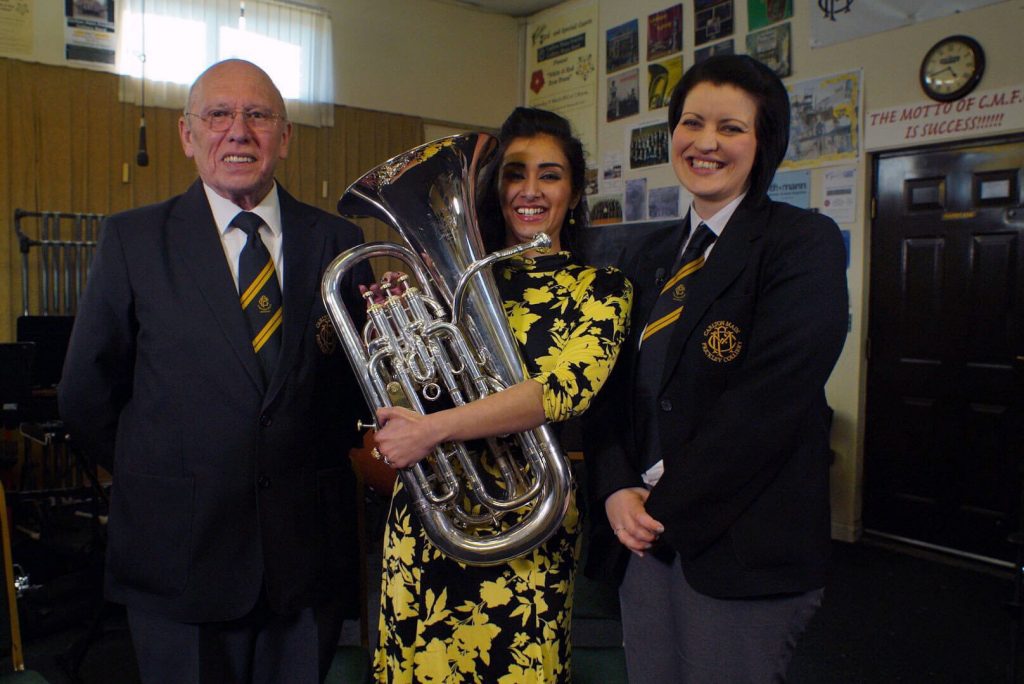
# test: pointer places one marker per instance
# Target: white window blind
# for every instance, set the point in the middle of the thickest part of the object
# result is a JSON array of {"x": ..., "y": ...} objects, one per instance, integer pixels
[{"x": 175, "y": 40}]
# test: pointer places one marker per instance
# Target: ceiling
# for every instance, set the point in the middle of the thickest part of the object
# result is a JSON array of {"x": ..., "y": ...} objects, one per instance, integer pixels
[{"x": 513, "y": 8}]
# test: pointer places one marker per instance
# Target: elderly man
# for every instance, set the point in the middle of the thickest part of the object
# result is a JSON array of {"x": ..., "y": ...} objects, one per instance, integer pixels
[{"x": 203, "y": 368}]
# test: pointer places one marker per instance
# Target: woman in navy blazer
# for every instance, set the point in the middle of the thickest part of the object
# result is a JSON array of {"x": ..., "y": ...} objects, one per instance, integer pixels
[{"x": 715, "y": 479}]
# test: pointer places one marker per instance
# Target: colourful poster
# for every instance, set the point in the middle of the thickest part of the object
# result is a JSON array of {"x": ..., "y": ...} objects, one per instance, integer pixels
[
  {"x": 664, "y": 33},
  {"x": 662, "y": 78},
  {"x": 760, "y": 13},
  {"x": 825, "y": 120},
  {"x": 623, "y": 46}
]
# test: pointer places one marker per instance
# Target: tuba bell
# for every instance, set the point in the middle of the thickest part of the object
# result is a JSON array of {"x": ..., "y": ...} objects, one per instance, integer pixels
[{"x": 445, "y": 338}]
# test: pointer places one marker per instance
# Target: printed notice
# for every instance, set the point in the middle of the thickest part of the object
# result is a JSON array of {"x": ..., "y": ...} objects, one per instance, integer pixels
[
  {"x": 840, "y": 201},
  {"x": 16, "y": 27}
]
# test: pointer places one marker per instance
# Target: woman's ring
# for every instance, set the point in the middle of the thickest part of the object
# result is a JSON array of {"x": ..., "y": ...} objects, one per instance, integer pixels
[
  {"x": 617, "y": 530},
  {"x": 377, "y": 456},
  {"x": 386, "y": 461}
]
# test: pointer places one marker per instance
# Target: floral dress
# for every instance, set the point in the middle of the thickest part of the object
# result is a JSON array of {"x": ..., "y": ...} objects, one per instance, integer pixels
[{"x": 444, "y": 621}]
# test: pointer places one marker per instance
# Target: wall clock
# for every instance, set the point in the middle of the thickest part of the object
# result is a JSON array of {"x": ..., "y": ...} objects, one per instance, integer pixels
[{"x": 952, "y": 68}]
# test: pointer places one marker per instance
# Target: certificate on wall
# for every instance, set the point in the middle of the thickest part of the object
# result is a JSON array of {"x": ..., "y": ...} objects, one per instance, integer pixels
[{"x": 561, "y": 54}]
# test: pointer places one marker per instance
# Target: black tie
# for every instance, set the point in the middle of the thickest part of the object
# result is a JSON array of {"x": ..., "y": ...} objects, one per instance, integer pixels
[
  {"x": 654, "y": 347},
  {"x": 669, "y": 306},
  {"x": 260, "y": 293}
]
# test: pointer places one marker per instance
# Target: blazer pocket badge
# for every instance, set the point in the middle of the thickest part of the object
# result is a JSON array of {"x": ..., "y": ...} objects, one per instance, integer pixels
[
  {"x": 722, "y": 341},
  {"x": 326, "y": 338}
]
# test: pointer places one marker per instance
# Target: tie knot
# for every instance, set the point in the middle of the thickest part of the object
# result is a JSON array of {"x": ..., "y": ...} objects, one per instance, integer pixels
[
  {"x": 248, "y": 222},
  {"x": 702, "y": 237}
]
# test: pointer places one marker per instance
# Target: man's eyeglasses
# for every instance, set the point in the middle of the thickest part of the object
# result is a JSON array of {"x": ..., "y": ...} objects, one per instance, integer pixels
[{"x": 220, "y": 120}]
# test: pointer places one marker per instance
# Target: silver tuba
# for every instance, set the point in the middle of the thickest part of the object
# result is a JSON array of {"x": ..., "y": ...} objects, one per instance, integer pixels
[{"x": 446, "y": 338}]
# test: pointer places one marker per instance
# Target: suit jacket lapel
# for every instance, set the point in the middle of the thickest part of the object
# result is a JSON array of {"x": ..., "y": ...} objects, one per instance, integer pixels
[
  {"x": 192, "y": 235},
  {"x": 727, "y": 260},
  {"x": 302, "y": 247}
]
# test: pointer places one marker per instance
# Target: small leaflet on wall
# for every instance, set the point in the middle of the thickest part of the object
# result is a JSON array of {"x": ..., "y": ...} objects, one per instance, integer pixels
[
  {"x": 792, "y": 187},
  {"x": 590, "y": 181},
  {"x": 611, "y": 173},
  {"x": 663, "y": 203},
  {"x": 90, "y": 34},
  {"x": 840, "y": 200},
  {"x": 636, "y": 199}
]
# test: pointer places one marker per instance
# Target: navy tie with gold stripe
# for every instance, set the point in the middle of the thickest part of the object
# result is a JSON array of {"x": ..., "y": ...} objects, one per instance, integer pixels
[
  {"x": 672, "y": 298},
  {"x": 260, "y": 292}
]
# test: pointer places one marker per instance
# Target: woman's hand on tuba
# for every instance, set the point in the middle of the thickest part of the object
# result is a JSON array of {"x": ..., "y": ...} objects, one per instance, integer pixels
[
  {"x": 380, "y": 290},
  {"x": 405, "y": 436}
]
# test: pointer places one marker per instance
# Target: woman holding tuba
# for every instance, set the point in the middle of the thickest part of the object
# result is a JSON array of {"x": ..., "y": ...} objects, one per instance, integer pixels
[{"x": 444, "y": 620}]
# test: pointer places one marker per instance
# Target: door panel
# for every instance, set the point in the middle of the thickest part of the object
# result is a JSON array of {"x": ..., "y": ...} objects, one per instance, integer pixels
[{"x": 942, "y": 444}]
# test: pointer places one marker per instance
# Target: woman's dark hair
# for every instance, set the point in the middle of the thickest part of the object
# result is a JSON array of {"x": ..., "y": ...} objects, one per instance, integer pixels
[
  {"x": 527, "y": 122},
  {"x": 762, "y": 84}
]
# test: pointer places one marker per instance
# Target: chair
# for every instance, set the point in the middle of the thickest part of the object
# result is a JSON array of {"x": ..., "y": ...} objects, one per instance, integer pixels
[{"x": 10, "y": 629}]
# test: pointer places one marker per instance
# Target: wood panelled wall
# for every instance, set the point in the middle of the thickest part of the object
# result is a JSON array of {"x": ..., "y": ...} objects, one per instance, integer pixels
[{"x": 65, "y": 141}]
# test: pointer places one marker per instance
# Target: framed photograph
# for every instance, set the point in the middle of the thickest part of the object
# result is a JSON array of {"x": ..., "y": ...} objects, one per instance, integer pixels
[
  {"x": 724, "y": 47},
  {"x": 760, "y": 13},
  {"x": 665, "y": 33},
  {"x": 623, "y": 94},
  {"x": 772, "y": 46},
  {"x": 662, "y": 78},
  {"x": 623, "y": 46},
  {"x": 605, "y": 209},
  {"x": 714, "y": 20},
  {"x": 649, "y": 145}
]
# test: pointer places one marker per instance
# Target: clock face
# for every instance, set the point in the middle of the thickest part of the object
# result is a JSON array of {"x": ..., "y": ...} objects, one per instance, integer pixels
[{"x": 952, "y": 68}]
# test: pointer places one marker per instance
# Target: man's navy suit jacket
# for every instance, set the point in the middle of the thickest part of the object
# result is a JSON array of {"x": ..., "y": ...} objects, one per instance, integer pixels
[{"x": 221, "y": 486}]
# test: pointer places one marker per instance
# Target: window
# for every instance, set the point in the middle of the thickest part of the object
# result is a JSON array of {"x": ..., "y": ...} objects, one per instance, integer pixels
[{"x": 175, "y": 40}]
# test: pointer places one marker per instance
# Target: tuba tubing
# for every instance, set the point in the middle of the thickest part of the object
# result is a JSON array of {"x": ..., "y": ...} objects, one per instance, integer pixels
[{"x": 447, "y": 336}]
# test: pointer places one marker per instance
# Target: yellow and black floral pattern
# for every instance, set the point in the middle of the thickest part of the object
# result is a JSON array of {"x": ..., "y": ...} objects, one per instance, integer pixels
[{"x": 443, "y": 621}]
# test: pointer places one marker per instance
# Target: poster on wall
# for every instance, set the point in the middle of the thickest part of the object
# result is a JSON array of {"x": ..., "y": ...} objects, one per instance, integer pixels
[
  {"x": 824, "y": 124},
  {"x": 724, "y": 47},
  {"x": 636, "y": 199},
  {"x": 665, "y": 33},
  {"x": 16, "y": 27},
  {"x": 623, "y": 94},
  {"x": 792, "y": 187},
  {"x": 760, "y": 13},
  {"x": 89, "y": 35},
  {"x": 713, "y": 20},
  {"x": 623, "y": 46},
  {"x": 663, "y": 203},
  {"x": 605, "y": 209},
  {"x": 561, "y": 56},
  {"x": 662, "y": 78},
  {"x": 772, "y": 46},
  {"x": 649, "y": 145}
]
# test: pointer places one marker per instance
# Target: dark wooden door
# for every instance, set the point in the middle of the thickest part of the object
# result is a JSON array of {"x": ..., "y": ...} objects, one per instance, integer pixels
[{"x": 942, "y": 459}]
